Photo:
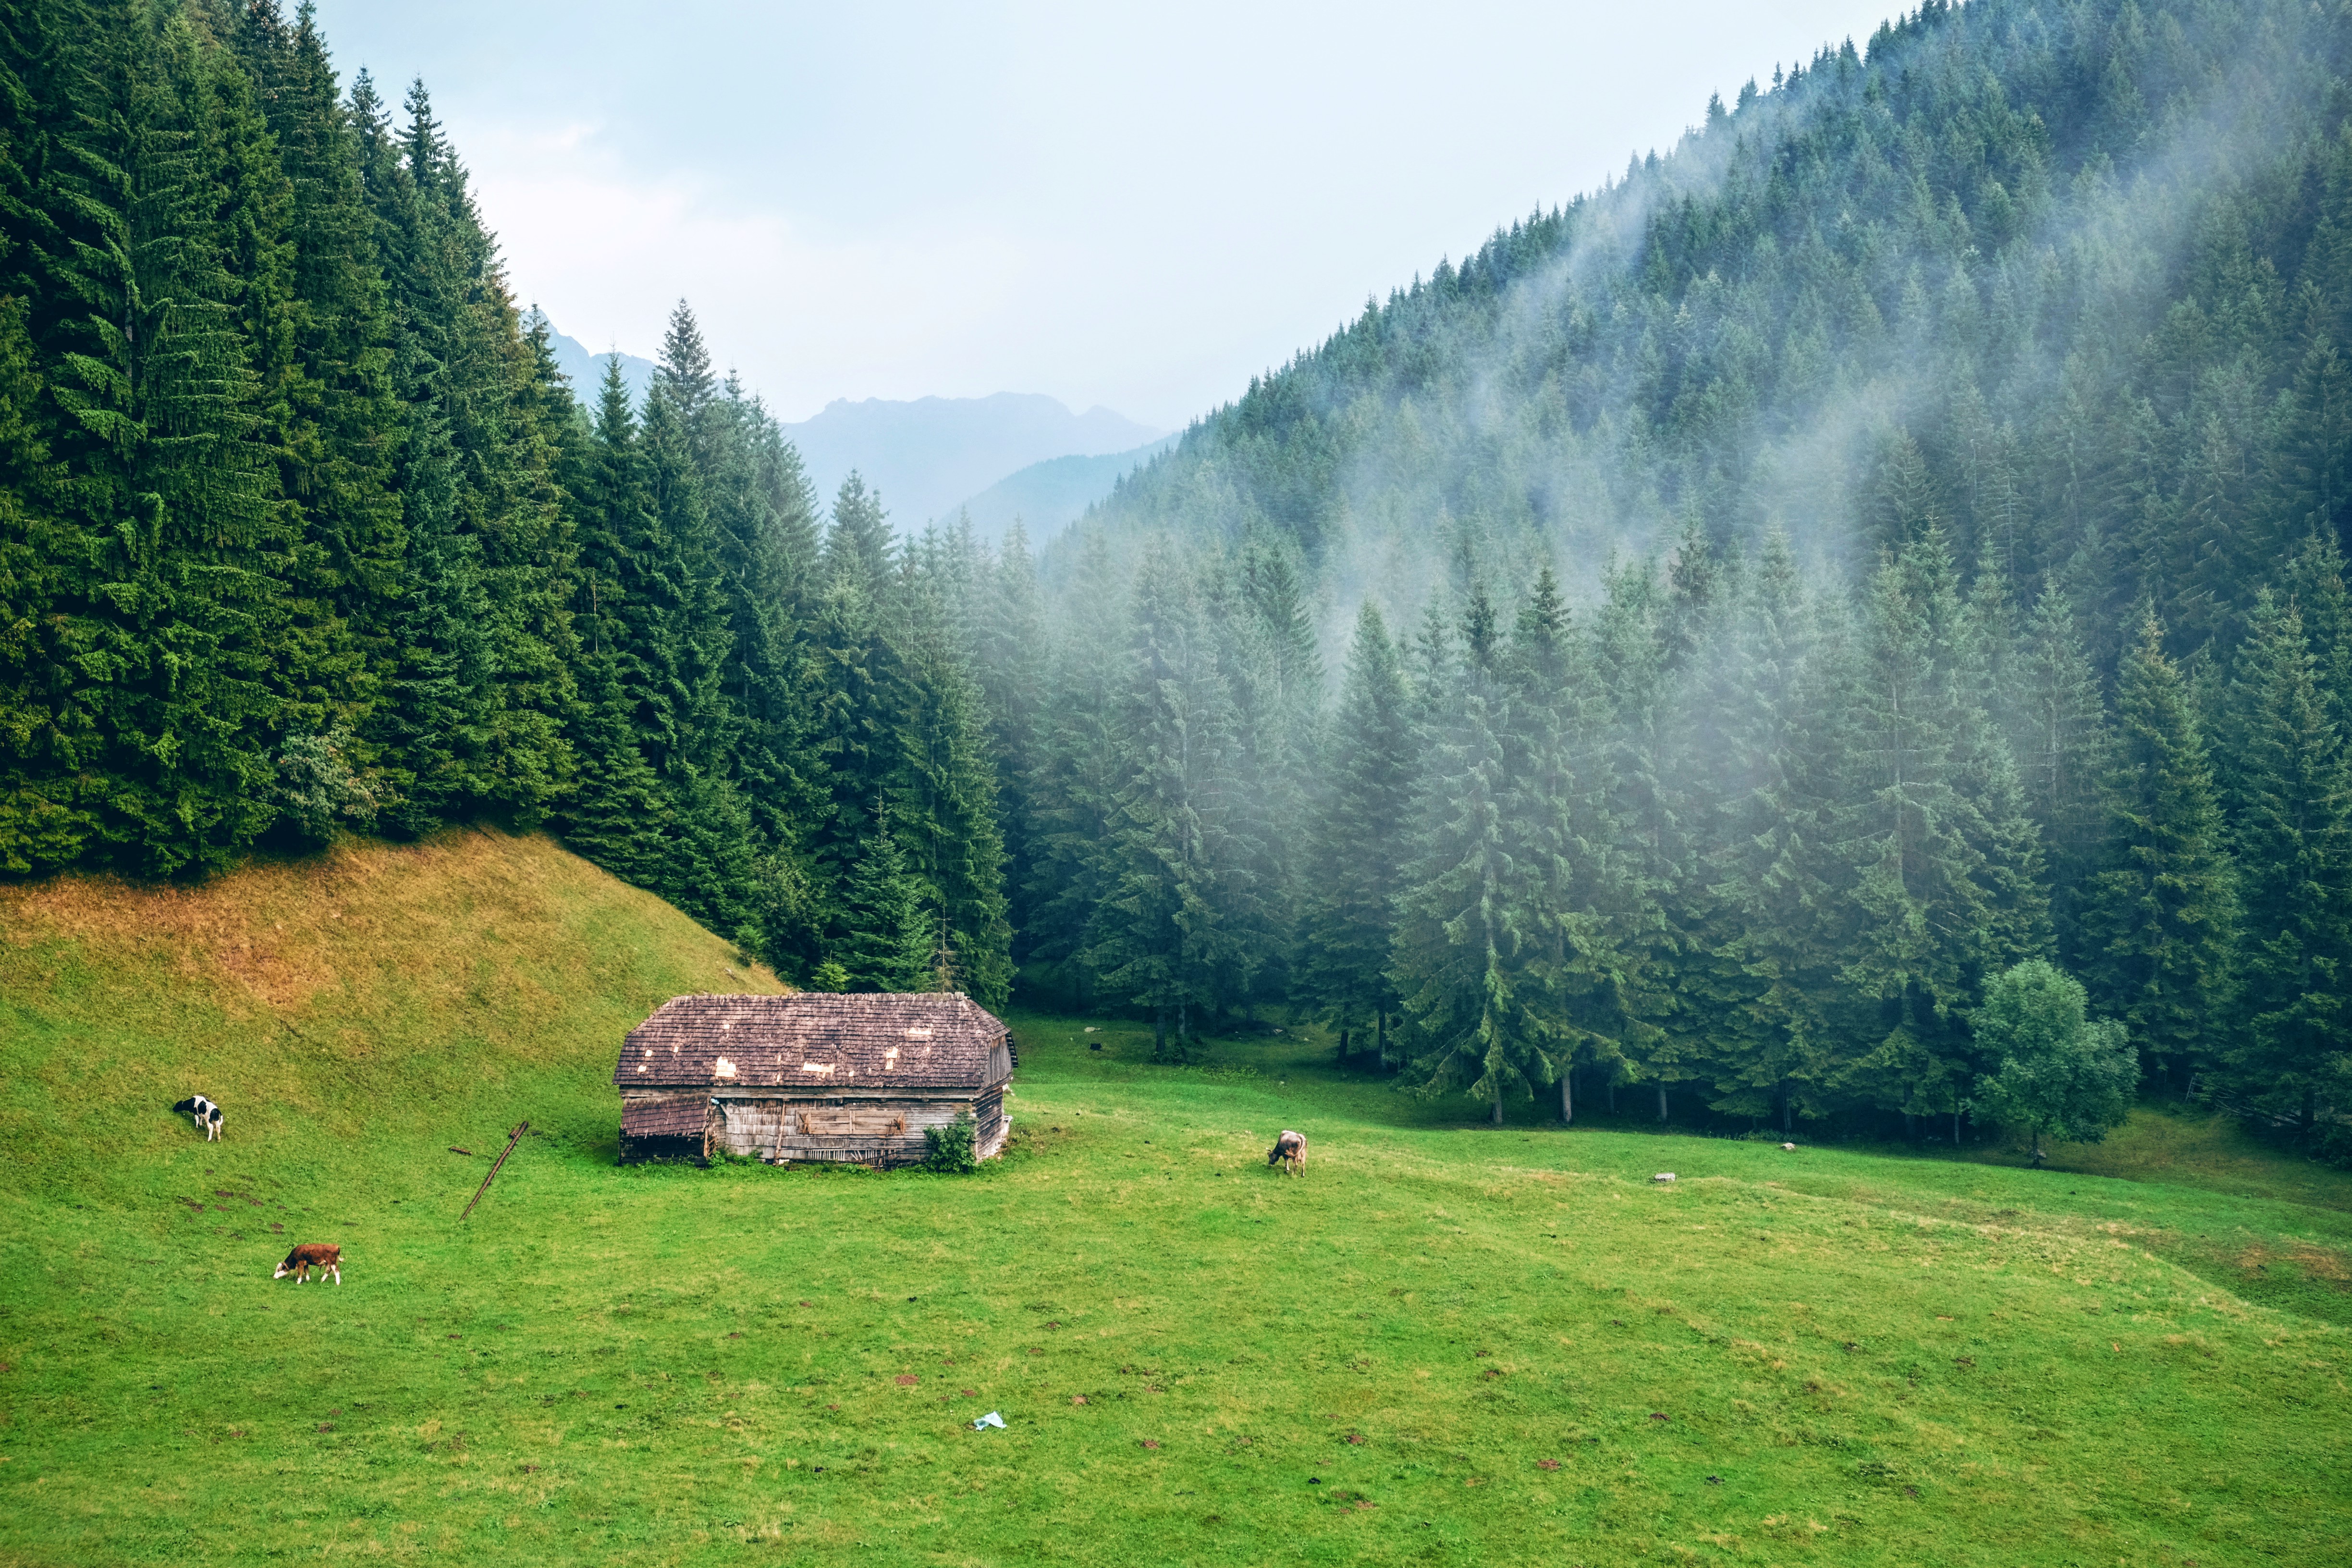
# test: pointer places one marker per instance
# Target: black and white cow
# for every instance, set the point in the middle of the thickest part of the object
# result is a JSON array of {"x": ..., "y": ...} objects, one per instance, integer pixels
[{"x": 207, "y": 1115}]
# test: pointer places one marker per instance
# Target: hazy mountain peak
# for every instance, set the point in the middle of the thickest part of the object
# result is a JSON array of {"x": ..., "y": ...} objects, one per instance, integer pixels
[{"x": 925, "y": 455}]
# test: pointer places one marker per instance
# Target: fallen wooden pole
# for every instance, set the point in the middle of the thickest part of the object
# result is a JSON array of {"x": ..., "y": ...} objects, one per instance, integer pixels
[{"x": 513, "y": 1139}]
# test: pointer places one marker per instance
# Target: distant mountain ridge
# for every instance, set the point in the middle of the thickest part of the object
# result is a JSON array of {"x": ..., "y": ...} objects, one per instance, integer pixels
[
  {"x": 932, "y": 455},
  {"x": 1048, "y": 497},
  {"x": 927, "y": 455}
]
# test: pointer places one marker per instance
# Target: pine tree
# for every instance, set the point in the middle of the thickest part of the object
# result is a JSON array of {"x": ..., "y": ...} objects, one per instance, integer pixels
[
  {"x": 1763, "y": 955},
  {"x": 883, "y": 937},
  {"x": 174, "y": 608},
  {"x": 944, "y": 803},
  {"x": 2058, "y": 733},
  {"x": 2293, "y": 850},
  {"x": 1162, "y": 937},
  {"x": 1946, "y": 883},
  {"x": 1462, "y": 936},
  {"x": 2159, "y": 926},
  {"x": 1009, "y": 658},
  {"x": 1354, "y": 851},
  {"x": 1075, "y": 777}
]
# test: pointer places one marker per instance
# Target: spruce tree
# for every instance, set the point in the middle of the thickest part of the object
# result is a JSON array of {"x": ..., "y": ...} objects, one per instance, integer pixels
[
  {"x": 883, "y": 937},
  {"x": 1763, "y": 955},
  {"x": 1641, "y": 635},
  {"x": 859, "y": 547},
  {"x": 765, "y": 540},
  {"x": 483, "y": 675},
  {"x": 944, "y": 797},
  {"x": 1164, "y": 936},
  {"x": 857, "y": 658},
  {"x": 1592, "y": 926},
  {"x": 1276, "y": 674},
  {"x": 1945, "y": 880},
  {"x": 175, "y": 604},
  {"x": 2158, "y": 928},
  {"x": 2058, "y": 732},
  {"x": 2293, "y": 850},
  {"x": 1462, "y": 948},
  {"x": 1074, "y": 779},
  {"x": 2314, "y": 581},
  {"x": 324, "y": 352},
  {"x": 1355, "y": 849},
  {"x": 1009, "y": 645},
  {"x": 44, "y": 826}
]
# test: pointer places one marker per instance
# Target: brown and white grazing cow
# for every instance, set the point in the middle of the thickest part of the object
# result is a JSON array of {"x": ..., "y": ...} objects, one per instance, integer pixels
[
  {"x": 1290, "y": 1148},
  {"x": 312, "y": 1254}
]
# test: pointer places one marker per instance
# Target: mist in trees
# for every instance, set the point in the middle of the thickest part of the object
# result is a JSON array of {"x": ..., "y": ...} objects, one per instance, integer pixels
[
  {"x": 1766, "y": 600},
  {"x": 1705, "y": 645}
]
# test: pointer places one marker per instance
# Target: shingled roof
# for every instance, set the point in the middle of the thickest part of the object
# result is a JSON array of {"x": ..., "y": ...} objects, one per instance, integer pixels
[{"x": 814, "y": 1041}]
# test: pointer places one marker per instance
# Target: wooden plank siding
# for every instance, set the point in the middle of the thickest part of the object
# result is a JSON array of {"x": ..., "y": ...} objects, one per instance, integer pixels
[
  {"x": 847, "y": 1128},
  {"x": 988, "y": 1142}
]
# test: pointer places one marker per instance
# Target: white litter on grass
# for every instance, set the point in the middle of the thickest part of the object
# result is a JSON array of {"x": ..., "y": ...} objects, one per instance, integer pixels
[
  {"x": 1663, "y": 1176},
  {"x": 990, "y": 1419},
  {"x": 1788, "y": 1146}
]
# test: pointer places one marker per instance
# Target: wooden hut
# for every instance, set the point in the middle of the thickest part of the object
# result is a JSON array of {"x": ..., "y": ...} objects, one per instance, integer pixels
[{"x": 812, "y": 1076}]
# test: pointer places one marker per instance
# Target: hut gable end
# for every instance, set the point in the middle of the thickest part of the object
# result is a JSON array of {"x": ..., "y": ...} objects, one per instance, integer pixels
[{"x": 812, "y": 1042}]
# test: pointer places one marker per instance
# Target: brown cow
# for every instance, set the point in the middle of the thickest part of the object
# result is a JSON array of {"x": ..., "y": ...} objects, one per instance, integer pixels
[
  {"x": 312, "y": 1254},
  {"x": 1290, "y": 1149}
]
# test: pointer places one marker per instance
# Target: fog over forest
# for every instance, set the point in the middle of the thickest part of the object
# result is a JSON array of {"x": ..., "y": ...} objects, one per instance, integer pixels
[{"x": 1693, "y": 648}]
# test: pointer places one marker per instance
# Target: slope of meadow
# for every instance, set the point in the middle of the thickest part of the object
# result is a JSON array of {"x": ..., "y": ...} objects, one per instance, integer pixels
[
  {"x": 349, "y": 1009},
  {"x": 1445, "y": 1344}
]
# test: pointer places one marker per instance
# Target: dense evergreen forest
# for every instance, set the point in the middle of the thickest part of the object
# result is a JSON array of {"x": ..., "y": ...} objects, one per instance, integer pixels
[
  {"x": 1894, "y": 538},
  {"x": 301, "y": 531},
  {"x": 1695, "y": 649}
]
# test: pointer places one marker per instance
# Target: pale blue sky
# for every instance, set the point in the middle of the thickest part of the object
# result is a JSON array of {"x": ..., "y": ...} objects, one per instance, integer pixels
[{"x": 1136, "y": 206}]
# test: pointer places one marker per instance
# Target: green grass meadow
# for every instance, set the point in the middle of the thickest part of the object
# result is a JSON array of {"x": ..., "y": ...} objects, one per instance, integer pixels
[{"x": 1446, "y": 1344}]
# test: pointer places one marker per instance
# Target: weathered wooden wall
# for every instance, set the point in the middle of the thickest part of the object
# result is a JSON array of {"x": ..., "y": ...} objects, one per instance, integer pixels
[
  {"x": 859, "y": 1132},
  {"x": 989, "y": 1141}
]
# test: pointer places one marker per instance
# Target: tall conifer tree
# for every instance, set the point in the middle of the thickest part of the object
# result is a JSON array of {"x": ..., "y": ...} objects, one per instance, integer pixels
[
  {"x": 2293, "y": 843},
  {"x": 1355, "y": 851},
  {"x": 2159, "y": 926}
]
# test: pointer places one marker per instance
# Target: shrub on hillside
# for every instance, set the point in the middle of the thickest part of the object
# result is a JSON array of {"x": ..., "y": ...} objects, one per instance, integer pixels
[
  {"x": 319, "y": 791},
  {"x": 952, "y": 1149}
]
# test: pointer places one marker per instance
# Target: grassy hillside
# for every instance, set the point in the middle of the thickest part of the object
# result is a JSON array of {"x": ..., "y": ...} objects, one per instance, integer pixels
[
  {"x": 349, "y": 1010},
  {"x": 1446, "y": 1344}
]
